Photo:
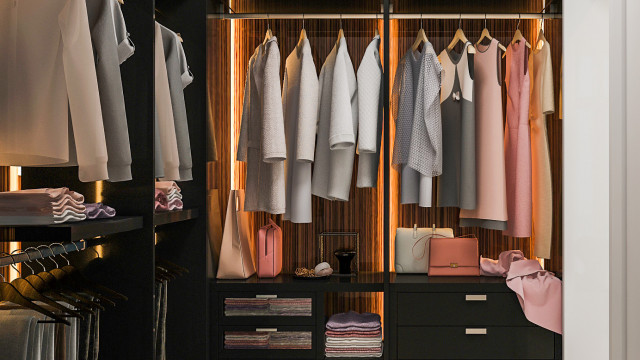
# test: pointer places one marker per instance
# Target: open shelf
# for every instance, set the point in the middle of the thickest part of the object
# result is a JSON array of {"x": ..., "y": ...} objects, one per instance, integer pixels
[
  {"x": 363, "y": 282},
  {"x": 169, "y": 217},
  {"x": 73, "y": 231}
]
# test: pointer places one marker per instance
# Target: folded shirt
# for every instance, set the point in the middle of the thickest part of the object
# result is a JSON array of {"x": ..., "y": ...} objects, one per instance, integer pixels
[
  {"x": 354, "y": 321},
  {"x": 99, "y": 211},
  {"x": 167, "y": 186},
  {"x": 171, "y": 205},
  {"x": 174, "y": 194},
  {"x": 41, "y": 206}
]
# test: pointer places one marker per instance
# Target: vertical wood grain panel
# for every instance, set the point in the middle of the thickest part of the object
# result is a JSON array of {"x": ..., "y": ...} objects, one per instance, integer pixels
[
  {"x": 363, "y": 211},
  {"x": 5, "y": 233}
]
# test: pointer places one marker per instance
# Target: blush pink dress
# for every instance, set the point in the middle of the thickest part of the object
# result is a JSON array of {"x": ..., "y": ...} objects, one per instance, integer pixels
[
  {"x": 491, "y": 206},
  {"x": 517, "y": 142}
]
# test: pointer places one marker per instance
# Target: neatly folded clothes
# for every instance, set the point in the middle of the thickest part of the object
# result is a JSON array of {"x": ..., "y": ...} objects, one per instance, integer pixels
[
  {"x": 99, "y": 211},
  {"x": 348, "y": 334},
  {"x": 167, "y": 186},
  {"x": 174, "y": 194},
  {"x": 351, "y": 320},
  {"x": 41, "y": 206}
]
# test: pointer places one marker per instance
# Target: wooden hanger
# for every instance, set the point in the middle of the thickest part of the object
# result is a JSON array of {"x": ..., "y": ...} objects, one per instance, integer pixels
[
  {"x": 420, "y": 38},
  {"x": 303, "y": 32},
  {"x": 8, "y": 292},
  {"x": 179, "y": 37},
  {"x": 517, "y": 37},
  {"x": 540, "y": 40},
  {"x": 459, "y": 36},
  {"x": 341, "y": 32},
  {"x": 269, "y": 34},
  {"x": 485, "y": 35},
  {"x": 121, "y": 2}
]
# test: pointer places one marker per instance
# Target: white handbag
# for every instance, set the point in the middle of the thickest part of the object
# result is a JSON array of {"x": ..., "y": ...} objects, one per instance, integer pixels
[{"x": 412, "y": 248}]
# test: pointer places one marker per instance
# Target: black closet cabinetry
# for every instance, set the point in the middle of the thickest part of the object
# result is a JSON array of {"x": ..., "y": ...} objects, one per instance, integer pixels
[{"x": 462, "y": 318}]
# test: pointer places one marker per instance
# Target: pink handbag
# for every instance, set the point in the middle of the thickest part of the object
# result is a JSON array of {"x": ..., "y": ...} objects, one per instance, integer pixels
[
  {"x": 457, "y": 256},
  {"x": 235, "y": 254},
  {"x": 269, "y": 252}
]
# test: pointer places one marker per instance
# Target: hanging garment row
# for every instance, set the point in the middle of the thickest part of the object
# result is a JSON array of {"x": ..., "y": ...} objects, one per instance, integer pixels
[
  {"x": 328, "y": 107},
  {"x": 449, "y": 123},
  {"x": 34, "y": 310},
  {"x": 62, "y": 101},
  {"x": 483, "y": 169}
]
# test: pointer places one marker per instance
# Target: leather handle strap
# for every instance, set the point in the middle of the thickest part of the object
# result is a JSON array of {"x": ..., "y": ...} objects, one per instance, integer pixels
[{"x": 424, "y": 250}]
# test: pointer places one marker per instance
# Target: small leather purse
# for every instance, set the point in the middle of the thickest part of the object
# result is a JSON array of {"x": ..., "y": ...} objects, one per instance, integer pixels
[
  {"x": 457, "y": 256},
  {"x": 269, "y": 252},
  {"x": 412, "y": 248}
]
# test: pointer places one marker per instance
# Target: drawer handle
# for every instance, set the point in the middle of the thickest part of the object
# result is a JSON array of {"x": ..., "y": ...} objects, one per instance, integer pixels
[
  {"x": 475, "y": 331},
  {"x": 267, "y": 329},
  {"x": 266, "y": 296},
  {"x": 475, "y": 297}
]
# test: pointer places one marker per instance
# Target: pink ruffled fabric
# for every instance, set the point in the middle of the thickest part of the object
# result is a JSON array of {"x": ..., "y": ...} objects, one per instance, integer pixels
[{"x": 539, "y": 291}]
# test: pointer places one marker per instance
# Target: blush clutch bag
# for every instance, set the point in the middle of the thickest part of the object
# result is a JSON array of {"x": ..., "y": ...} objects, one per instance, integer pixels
[{"x": 457, "y": 256}]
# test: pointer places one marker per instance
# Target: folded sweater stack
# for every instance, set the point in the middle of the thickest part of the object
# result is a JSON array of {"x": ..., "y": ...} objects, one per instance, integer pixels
[
  {"x": 168, "y": 196},
  {"x": 354, "y": 335},
  {"x": 41, "y": 206},
  {"x": 235, "y": 340}
]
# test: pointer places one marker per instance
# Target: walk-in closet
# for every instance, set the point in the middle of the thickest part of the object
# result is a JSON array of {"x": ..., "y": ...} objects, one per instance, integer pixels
[{"x": 237, "y": 179}]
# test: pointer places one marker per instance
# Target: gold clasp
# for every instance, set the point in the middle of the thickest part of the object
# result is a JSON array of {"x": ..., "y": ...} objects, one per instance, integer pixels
[{"x": 453, "y": 265}]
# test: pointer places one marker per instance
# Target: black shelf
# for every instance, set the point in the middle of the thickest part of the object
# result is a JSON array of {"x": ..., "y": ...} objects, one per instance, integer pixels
[
  {"x": 73, "y": 231},
  {"x": 170, "y": 217},
  {"x": 363, "y": 282}
]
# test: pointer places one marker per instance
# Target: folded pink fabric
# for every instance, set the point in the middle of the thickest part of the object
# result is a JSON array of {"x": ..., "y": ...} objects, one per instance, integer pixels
[
  {"x": 175, "y": 204},
  {"x": 539, "y": 293},
  {"x": 167, "y": 186},
  {"x": 500, "y": 267}
]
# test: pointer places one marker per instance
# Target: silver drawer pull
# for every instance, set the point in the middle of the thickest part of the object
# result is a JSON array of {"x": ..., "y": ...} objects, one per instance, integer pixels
[
  {"x": 475, "y": 297},
  {"x": 267, "y": 329},
  {"x": 475, "y": 331},
  {"x": 266, "y": 296}
]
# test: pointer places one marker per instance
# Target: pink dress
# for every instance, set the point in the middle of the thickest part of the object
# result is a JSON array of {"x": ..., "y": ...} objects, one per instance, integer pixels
[
  {"x": 491, "y": 206},
  {"x": 517, "y": 142}
]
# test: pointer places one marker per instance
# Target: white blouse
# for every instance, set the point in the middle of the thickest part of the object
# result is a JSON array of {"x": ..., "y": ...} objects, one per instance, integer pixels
[
  {"x": 300, "y": 105},
  {"x": 261, "y": 143},
  {"x": 337, "y": 126},
  {"x": 369, "y": 115},
  {"x": 46, "y": 69}
]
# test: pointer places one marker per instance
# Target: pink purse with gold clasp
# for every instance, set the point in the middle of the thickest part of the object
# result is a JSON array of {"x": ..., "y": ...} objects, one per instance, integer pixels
[
  {"x": 269, "y": 250},
  {"x": 457, "y": 256}
]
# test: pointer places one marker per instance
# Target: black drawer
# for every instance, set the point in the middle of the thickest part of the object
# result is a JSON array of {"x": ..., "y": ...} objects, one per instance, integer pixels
[
  {"x": 494, "y": 343},
  {"x": 460, "y": 309}
]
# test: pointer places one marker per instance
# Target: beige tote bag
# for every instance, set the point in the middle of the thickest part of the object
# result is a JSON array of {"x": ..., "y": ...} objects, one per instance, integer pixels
[{"x": 235, "y": 253}]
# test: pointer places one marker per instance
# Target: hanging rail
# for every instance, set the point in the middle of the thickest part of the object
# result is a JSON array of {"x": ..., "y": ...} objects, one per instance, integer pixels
[
  {"x": 44, "y": 252},
  {"x": 256, "y": 16}
]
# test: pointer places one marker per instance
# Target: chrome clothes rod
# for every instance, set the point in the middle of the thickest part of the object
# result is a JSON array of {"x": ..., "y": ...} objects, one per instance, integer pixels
[
  {"x": 425, "y": 16},
  {"x": 44, "y": 252}
]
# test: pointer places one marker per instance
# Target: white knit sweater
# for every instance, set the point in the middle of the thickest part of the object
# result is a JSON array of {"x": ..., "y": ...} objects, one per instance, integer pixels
[
  {"x": 337, "y": 126},
  {"x": 300, "y": 105},
  {"x": 261, "y": 142}
]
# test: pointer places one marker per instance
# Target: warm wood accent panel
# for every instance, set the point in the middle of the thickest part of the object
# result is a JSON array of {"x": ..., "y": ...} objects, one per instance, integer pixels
[
  {"x": 297, "y": 6},
  {"x": 363, "y": 211},
  {"x": 467, "y": 6},
  {"x": 440, "y": 33},
  {"x": 5, "y": 234}
]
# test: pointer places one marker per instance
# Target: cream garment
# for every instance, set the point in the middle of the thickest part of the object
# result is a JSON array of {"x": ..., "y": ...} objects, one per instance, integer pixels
[
  {"x": 179, "y": 77},
  {"x": 300, "y": 106},
  {"x": 262, "y": 139},
  {"x": 166, "y": 127},
  {"x": 369, "y": 115},
  {"x": 415, "y": 187},
  {"x": 540, "y": 105},
  {"x": 337, "y": 126},
  {"x": 47, "y": 69}
]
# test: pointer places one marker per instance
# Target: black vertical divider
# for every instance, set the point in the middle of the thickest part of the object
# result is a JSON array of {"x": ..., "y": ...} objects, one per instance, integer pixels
[{"x": 184, "y": 243}]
